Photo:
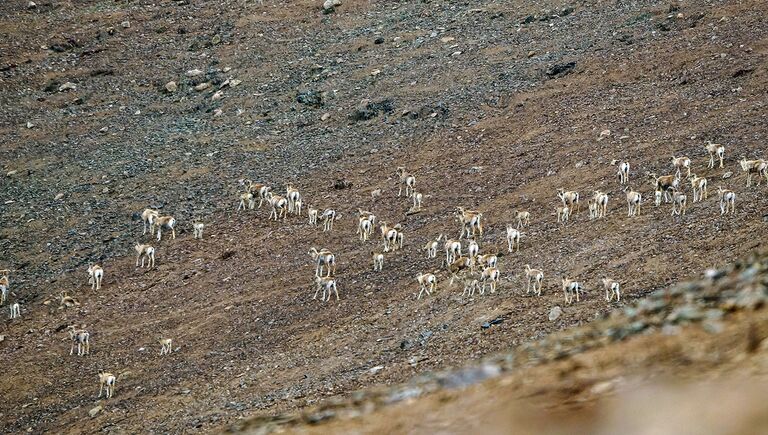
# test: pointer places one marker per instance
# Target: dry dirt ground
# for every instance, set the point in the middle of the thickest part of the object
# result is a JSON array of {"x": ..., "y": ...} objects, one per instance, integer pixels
[{"x": 476, "y": 98}]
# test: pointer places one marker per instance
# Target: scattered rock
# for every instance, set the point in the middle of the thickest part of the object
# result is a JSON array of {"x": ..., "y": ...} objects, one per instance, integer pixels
[
  {"x": 194, "y": 73},
  {"x": 325, "y": 117},
  {"x": 728, "y": 174},
  {"x": 374, "y": 370},
  {"x": 531, "y": 53},
  {"x": 560, "y": 69},
  {"x": 379, "y": 40},
  {"x": 171, "y": 87},
  {"x": 30, "y": 125},
  {"x": 603, "y": 134},
  {"x": 370, "y": 110},
  {"x": 95, "y": 411},
  {"x": 58, "y": 196},
  {"x": 31, "y": 5},
  {"x": 203, "y": 86},
  {"x": 342, "y": 184},
  {"x": 126, "y": 24},
  {"x": 329, "y": 6},
  {"x": 218, "y": 95},
  {"x": 555, "y": 313},
  {"x": 68, "y": 86},
  {"x": 310, "y": 98},
  {"x": 216, "y": 39}
]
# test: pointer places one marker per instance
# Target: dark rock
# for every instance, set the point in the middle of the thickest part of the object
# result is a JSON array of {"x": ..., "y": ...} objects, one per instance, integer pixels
[
  {"x": 560, "y": 69},
  {"x": 406, "y": 344},
  {"x": 310, "y": 98},
  {"x": 379, "y": 40},
  {"x": 342, "y": 184},
  {"x": 372, "y": 110},
  {"x": 529, "y": 19}
]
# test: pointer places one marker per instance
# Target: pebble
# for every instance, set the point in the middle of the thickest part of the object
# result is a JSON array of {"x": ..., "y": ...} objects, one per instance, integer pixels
[
  {"x": 30, "y": 125},
  {"x": 95, "y": 411},
  {"x": 203, "y": 86},
  {"x": 126, "y": 24},
  {"x": 171, "y": 87},
  {"x": 325, "y": 117}
]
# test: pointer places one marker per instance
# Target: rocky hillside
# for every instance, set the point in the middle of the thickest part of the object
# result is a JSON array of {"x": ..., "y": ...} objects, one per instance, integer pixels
[{"x": 114, "y": 106}]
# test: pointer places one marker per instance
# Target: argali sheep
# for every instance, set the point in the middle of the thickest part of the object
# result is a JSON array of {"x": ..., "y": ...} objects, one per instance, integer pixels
[
  {"x": 294, "y": 197},
  {"x": 165, "y": 222},
  {"x": 452, "y": 251},
  {"x": 563, "y": 213},
  {"x": 633, "y": 203},
  {"x": 107, "y": 381},
  {"x": 81, "y": 339},
  {"x": 612, "y": 288},
  {"x": 324, "y": 259},
  {"x": 15, "y": 310},
  {"x": 699, "y": 186},
  {"x": 279, "y": 207},
  {"x": 470, "y": 285},
  {"x": 490, "y": 276},
  {"x": 246, "y": 198},
  {"x": 313, "y": 214},
  {"x": 364, "y": 228},
  {"x": 329, "y": 216},
  {"x": 4, "y": 278},
  {"x": 67, "y": 301},
  {"x": 759, "y": 167},
  {"x": 592, "y": 207},
  {"x": 570, "y": 199},
  {"x": 664, "y": 184},
  {"x": 681, "y": 163},
  {"x": 601, "y": 201},
  {"x": 417, "y": 197},
  {"x": 469, "y": 220},
  {"x": 427, "y": 282},
  {"x": 489, "y": 260},
  {"x": 431, "y": 247},
  {"x": 393, "y": 236},
  {"x": 326, "y": 284},
  {"x": 679, "y": 202},
  {"x": 197, "y": 230},
  {"x": 3, "y": 293},
  {"x": 536, "y": 276},
  {"x": 378, "y": 261},
  {"x": 166, "y": 345},
  {"x": 298, "y": 205},
  {"x": 407, "y": 180},
  {"x": 523, "y": 218},
  {"x": 145, "y": 251},
  {"x": 262, "y": 190},
  {"x": 513, "y": 238},
  {"x": 95, "y": 275},
  {"x": 727, "y": 200},
  {"x": 148, "y": 216},
  {"x": 460, "y": 265},
  {"x": 362, "y": 214},
  {"x": 715, "y": 149},
  {"x": 623, "y": 173},
  {"x": 473, "y": 249},
  {"x": 572, "y": 289}
]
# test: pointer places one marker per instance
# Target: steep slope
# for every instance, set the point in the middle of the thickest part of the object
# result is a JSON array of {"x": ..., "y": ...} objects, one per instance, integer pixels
[{"x": 484, "y": 120}]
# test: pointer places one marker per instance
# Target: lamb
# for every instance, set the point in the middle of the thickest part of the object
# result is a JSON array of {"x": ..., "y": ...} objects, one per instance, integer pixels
[
  {"x": 406, "y": 179},
  {"x": 563, "y": 213},
  {"x": 427, "y": 282},
  {"x": 165, "y": 222},
  {"x": 759, "y": 167},
  {"x": 197, "y": 230},
  {"x": 469, "y": 220},
  {"x": 246, "y": 197},
  {"x": 727, "y": 200},
  {"x": 148, "y": 216},
  {"x": 452, "y": 251},
  {"x": 279, "y": 207},
  {"x": 298, "y": 204},
  {"x": 679, "y": 201},
  {"x": 145, "y": 251},
  {"x": 601, "y": 201},
  {"x": 523, "y": 218},
  {"x": 490, "y": 275},
  {"x": 326, "y": 283},
  {"x": 535, "y": 275},
  {"x": 95, "y": 274},
  {"x": 470, "y": 284},
  {"x": 657, "y": 198},
  {"x": 571, "y": 288},
  {"x": 15, "y": 310},
  {"x": 569, "y": 199},
  {"x": 79, "y": 337},
  {"x": 699, "y": 185},
  {"x": 623, "y": 173},
  {"x": 107, "y": 381},
  {"x": 633, "y": 203},
  {"x": 611, "y": 288},
  {"x": 431, "y": 247},
  {"x": 323, "y": 259},
  {"x": 592, "y": 206},
  {"x": 715, "y": 149},
  {"x": 313, "y": 213},
  {"x": 329, "y": 216},
  {"x": 417, "y": 201},
  {"x": 293, "y": 195},
  {"x": 166, "y": 345},
  {"x": 513, "y": 238},
  {"x": 680, "y": 163}
]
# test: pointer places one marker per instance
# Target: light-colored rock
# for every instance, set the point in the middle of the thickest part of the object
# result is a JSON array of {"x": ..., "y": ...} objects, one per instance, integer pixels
[
  {"x": 329, "y": 5},
  {"x": 126, "y": 24},
  {"x": 95, "y": 411},
  {"x": 217, "y": 96},
  {"x": 603, "y": 134},
  {"x": 203, "y": 86},
  {"x": 194, "y": 73},
  {"x": 68, "y": 86},
  {"x": 171, "y": 87},
  {"x": 325, "y": 117},
  {"x": 58, "y": 196},
  {"x": 10, "y": 173},
  {"x": 30, "y": 125},
  {"x": 728, "y": 174},
  {"x": 374, "y": 370},
  {"x": 555, "y": 313}
]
